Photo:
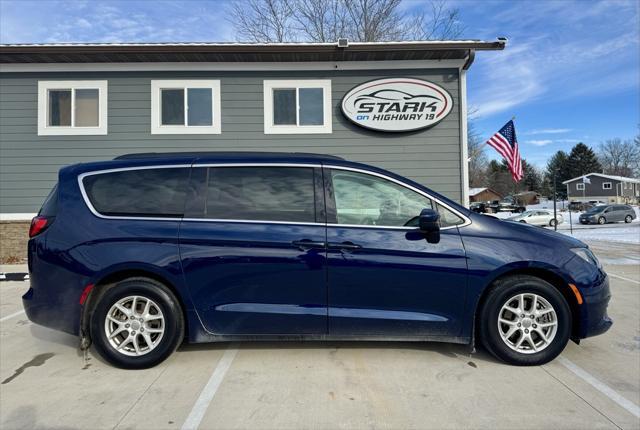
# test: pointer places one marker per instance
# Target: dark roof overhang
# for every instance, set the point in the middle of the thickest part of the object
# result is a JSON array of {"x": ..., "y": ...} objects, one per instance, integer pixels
[{"x": 244, "y": 52}]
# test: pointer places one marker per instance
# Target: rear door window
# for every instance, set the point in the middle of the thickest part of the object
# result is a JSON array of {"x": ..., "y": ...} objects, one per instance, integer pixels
[
  {"x": 155, "y": 192},
  {"x": 285, "y": 194}
]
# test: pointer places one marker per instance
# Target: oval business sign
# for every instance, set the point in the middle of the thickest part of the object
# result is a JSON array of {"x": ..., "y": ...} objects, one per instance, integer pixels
[{"x": 397, "y": 104}]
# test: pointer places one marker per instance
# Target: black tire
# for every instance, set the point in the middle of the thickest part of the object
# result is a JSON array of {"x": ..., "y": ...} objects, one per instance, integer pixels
[
  {"x": 602, "y": 220},
  {"x": 173, "y": 322},
  {"x": 628, "y": 219},
  {"x": 498, "y": 295},
  {"x": 552, "y": 223},
  {"x": 523, "y": 221}
]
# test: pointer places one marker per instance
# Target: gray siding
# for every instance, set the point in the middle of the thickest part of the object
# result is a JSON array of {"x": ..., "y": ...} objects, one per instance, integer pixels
[
  {"x": 29, "y": 163},
  {"x": 594, "y": 188}
]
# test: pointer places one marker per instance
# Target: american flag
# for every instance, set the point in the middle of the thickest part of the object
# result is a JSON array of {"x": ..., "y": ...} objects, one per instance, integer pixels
[{"x": 505, "y": 142}]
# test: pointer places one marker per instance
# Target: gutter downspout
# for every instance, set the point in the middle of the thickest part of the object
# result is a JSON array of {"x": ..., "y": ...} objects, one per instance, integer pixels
[{"x": 470, "y": 58}]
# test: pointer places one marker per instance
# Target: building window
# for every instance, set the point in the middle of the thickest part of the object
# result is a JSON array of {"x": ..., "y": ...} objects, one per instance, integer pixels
[
  {"x": 606, "y": 185},
  {"x": 72, "y": 108},
  {"x": 185, "y": 107},
  {"x": 580, "y": 186},
  {"x": 297, "y": 107}
]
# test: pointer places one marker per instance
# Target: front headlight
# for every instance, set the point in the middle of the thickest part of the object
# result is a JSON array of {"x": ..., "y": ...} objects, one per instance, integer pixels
[{"x": 587, "y": 255}]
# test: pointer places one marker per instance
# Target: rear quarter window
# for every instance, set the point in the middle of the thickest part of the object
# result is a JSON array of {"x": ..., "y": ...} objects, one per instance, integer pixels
[
  {"x": 156, "y": 192},
  {"x": 50, "y": 205}
]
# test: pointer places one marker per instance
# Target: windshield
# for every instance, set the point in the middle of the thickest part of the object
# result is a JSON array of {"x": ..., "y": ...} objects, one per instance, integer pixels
[{"x": 595, "y": 209}]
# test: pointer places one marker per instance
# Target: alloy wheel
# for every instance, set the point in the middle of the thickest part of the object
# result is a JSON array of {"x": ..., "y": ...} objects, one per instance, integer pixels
[
  {"x": 134, "y": 325},
  {"x": 527, "y": 323}
]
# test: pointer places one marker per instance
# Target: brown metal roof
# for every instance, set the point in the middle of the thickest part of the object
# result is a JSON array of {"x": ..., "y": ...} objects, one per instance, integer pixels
[{"x": 242, "y": 52}]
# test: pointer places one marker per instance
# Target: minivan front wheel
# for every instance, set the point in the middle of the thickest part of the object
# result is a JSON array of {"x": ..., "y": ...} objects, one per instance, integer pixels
[
  {"x": 137, "y": 323},
  {"x": 602, "y": 220},
  {"x": 525, "y": 321}
]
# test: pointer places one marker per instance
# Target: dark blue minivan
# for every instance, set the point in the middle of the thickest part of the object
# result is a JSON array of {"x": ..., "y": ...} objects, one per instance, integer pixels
[{"x": 137, "y": 253}]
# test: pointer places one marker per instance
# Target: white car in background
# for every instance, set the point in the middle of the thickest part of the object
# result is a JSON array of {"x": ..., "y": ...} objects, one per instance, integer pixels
[{"x": 541, "y": 217}]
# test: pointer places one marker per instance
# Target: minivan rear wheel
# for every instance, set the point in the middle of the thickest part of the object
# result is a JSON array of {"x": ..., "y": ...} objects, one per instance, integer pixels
[
  {"x": 628, "y": 219},
  {"x": 524, "y": 321},
  {"x": 137, "y": 323}
]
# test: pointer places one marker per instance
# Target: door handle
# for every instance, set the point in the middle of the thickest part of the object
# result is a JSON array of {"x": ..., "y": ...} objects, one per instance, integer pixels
[
  {"x": 347, "y": 246},
  {"x": 305, "y": 244}
]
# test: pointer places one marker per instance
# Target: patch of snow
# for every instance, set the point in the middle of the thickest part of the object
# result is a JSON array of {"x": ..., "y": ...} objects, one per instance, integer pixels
[
  {"x": 620, "y": 261},
  {"x": 607, "y": 234},
  {"x": 474, "y": 191}
]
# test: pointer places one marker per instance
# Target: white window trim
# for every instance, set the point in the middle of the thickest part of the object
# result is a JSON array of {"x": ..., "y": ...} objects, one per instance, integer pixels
[
  {"x": 579, "y": 186},
  {"x": 156, "y": 107},
  {"x": 607, "y": 183},
  {"x": 43, "y": 108},
  {"x": 270, "y": 85}
]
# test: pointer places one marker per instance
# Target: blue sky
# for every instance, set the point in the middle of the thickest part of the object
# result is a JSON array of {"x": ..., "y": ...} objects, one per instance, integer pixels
[{"x": 570, "y": 73}]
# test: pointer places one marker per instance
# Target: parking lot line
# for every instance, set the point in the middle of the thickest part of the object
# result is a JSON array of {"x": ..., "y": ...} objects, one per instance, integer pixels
[
  {"x": 15, "y": 314},
  {"x": 600, "y": 386},
  {"x": 209, "y": 391},
  {"x": 623, "y": 278}
]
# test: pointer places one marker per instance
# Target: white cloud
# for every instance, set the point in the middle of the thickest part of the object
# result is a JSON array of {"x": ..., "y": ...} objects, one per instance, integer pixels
[
  {"x": 88, "y": 21},
  {"x": 547, "y": 131},
  {"x": 542, "y": 142},
  {"x": 568, "y": 140},
  {"x": 514, "y": 78},
  {"x": 596, "y": 53}
]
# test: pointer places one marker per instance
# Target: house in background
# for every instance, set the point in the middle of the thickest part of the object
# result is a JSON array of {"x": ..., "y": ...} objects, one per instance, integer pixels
[
  {"x": 603, "y": 188},
  {"x": 527, "y": 198},
  {"x": 483, "y": 195}
]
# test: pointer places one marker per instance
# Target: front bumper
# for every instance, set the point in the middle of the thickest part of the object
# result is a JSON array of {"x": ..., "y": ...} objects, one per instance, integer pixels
[
  {"x": 594, "y": 319},
  {"x": 587, "y": 221}
]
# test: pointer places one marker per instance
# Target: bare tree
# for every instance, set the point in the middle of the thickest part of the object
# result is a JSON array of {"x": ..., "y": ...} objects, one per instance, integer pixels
[
  {"x": 375, "y": 20},
  {"x": 620, "y": 157},
  {"x": 263, "y": 20},
  {"x": 478, "y": 161},
  {"x": 320, "y": 20},
  {"x": 436, "y": 22},
  {"x": 357, "y": 20}
]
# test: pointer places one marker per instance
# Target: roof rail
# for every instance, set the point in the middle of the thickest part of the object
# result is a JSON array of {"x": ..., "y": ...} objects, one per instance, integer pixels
[{"x": 224, "y": 154}]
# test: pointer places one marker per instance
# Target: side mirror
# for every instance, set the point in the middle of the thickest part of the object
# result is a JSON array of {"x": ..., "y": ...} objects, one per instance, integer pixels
[
  {"x": 430, "y": 225},
  {"x": 429, "y": 220}
]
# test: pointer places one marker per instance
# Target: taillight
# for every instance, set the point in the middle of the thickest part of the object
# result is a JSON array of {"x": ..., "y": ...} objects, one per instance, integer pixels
[{"x": 38, "y": 225}]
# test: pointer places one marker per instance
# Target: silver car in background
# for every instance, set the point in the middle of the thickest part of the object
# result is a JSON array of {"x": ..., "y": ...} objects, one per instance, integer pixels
[
  {"x": 542, "y": 217},
  {"x": 608, "y": 213}
]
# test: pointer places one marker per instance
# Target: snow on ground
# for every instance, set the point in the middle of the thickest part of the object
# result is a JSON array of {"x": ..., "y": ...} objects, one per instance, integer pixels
[
  {"x": 629, "y": 234},
  {"x": 561, "y": 208},
  {"x": 618, "y": 232}
]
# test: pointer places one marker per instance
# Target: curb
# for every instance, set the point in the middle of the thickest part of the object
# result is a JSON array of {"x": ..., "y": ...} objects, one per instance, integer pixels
[{"x": 14, "y": 277}]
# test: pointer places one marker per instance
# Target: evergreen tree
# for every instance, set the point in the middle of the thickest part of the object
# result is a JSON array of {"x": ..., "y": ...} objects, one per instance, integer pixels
[
  {"x": 558, "y": 163},
  {"x": 531, "y": 178},
  {"x": 498, "y": 177},
  {"x": 582, "y": 160}
]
